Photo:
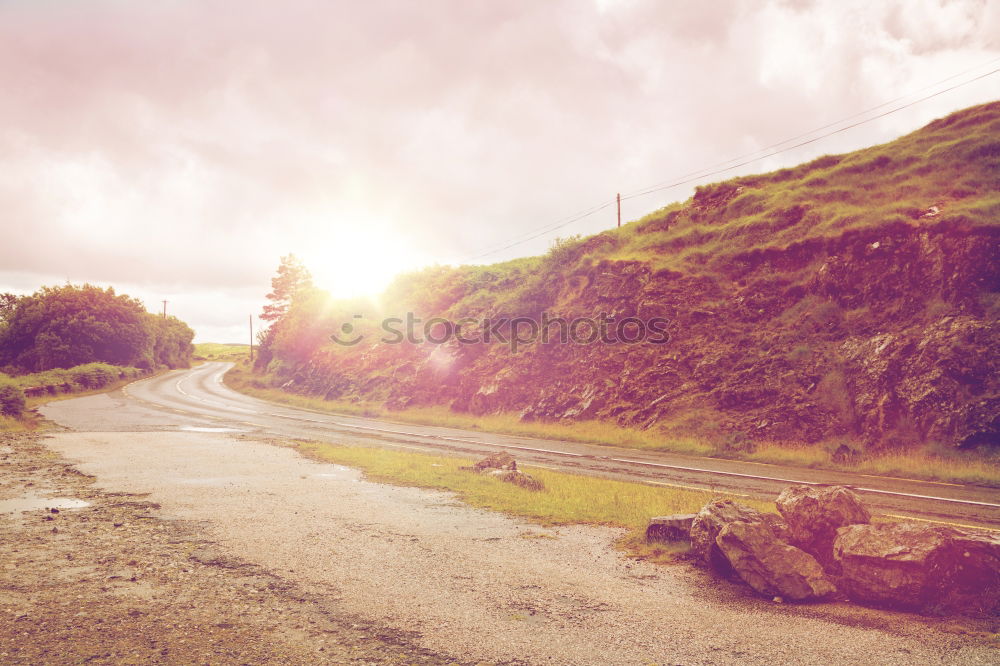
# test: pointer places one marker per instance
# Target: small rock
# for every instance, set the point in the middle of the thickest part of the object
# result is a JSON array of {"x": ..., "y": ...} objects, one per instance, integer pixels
[
  {"x": 502, "y": 460},
  {"x": 670, "y": 528},
  {"x": 518, "y": 478}
]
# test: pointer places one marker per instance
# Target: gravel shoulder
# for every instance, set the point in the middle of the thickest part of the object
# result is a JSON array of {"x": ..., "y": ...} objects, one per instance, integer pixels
[
  {"x": 424, "y": 576},
  {"x": 119, "y": 582}
]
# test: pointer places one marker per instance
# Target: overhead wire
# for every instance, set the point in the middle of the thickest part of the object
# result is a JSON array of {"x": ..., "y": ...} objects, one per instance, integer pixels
[{"x": 718, "y": 168}]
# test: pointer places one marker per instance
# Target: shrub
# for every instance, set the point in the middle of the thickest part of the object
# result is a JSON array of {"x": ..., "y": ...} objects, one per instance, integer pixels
[
  {"x": 94, "y": 375},
  {"x": 11, "y": 398}
]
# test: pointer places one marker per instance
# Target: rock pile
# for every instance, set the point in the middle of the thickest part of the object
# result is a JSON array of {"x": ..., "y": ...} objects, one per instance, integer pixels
[
  {"x": 739, "y": 541},
  {"x": 823, "y": 542},
  {"x": 503, "y": 467}
]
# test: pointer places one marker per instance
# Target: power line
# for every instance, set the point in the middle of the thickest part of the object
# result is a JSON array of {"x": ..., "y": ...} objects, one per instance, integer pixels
[
  {"x": 693, "y": 176},
  {"x": 842, "y": 120},
  {"x": 657, "y": 188},
  {"x": 535, "y": 234}
]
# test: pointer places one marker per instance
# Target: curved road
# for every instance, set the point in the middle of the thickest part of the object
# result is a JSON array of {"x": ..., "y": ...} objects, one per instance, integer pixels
[{"x": 197, "y": 399}]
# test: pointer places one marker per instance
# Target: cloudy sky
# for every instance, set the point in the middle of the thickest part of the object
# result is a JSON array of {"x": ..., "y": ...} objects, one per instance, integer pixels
[{"x": 176, "y": 149}]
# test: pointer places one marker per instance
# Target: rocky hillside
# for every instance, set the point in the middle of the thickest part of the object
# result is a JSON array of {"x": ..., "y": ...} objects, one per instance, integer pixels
[{"x": 850, "y": 301}]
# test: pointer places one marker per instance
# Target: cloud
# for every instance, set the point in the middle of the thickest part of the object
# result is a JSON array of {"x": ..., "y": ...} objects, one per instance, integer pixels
[{"x": 182, "y": 147}]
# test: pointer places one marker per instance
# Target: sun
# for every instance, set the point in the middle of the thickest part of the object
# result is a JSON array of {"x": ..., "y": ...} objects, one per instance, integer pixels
[{"x": 359, "y": 259}]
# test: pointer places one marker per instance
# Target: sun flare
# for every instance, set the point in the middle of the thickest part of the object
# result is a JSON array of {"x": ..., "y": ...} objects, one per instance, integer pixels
[{"x": 360, "y": 259}]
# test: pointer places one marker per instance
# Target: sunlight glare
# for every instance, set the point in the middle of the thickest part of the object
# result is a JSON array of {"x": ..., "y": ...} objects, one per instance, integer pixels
[{"x": 360, "y": 259}]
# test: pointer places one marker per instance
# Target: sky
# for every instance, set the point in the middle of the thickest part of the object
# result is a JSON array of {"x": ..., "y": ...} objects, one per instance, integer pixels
[{"x": 177, "y": 149}]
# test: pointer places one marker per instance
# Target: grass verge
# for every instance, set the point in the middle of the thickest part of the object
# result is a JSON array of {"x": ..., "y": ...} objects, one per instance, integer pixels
[
  {"x": 30, "y": 420},
  {"x": 566, "y": 499},
  {"x": 929, "y": 464}
]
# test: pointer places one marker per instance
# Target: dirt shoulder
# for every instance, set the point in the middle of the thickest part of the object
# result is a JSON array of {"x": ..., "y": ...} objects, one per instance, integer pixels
[{"x": 115, "y": 583}]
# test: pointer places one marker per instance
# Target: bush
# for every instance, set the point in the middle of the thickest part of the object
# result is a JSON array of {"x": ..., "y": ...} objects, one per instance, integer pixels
[
  {"x": 11, "y": 398},
  {"x": 94, "y": 375}
]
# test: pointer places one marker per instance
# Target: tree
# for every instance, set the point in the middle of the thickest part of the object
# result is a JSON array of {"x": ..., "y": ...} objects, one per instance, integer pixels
[
  {"x": 8, "y": 302},
  {"x": 62, "y": 327},
  {"x": 292, "y": 278},
  {"x": 171, "y": 341}
]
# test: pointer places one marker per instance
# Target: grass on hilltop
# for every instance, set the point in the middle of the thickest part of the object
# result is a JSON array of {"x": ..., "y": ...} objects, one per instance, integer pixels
[
  {"x": 930, "y": 463},
  {"x": 566, "y": 499}
]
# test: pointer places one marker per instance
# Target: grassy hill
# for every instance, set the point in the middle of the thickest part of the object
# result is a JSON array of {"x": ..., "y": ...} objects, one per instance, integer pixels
[{"x": 849, "y": 303}]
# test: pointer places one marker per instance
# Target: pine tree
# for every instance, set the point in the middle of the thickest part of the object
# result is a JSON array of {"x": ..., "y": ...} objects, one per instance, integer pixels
[{"x": 292, "y": 278}]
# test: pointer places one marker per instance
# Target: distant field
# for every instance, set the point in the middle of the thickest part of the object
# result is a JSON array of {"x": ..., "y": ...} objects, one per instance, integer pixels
[{"x": 216, "y": 351}]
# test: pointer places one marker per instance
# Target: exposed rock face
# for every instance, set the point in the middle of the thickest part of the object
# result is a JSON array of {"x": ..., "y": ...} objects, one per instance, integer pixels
[
  {"x": 929, "y": 568},
  {"x": 670, "y": 528},
  {"x": 771, "y": 566},
  {"x": 815, "y": 513},
  {"x": 880, "y": 330},
  {"x": 920, "y": 378},
  {"x": 713, "y": 517}
]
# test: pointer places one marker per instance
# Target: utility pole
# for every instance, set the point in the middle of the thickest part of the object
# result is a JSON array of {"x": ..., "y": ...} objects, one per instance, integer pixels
[
  {"x": 251, "y": 339},
  {"x": 164, "y": 309},
  {"x": 619, "y": 197}
]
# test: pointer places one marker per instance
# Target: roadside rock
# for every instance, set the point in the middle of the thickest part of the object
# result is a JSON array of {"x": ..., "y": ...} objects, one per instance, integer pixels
[
  {"x": 929, "y": 568},
  {"x": 814, "y": 514},
  {"x": 713, "y": 517},
  {"x": 771, "y": 566},
  {"x": 518, "y": 478},
  {"x": 502, "y": 466},
  {"x": 670, "y": 528},
  {"x": 502, "y": 460}
]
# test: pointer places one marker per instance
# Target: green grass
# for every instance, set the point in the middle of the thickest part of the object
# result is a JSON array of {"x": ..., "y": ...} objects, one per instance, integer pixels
[
  {"x": 594, "y": 432},
  {"x": 214, "y": 351},
  {"x": 26, "y": 422},
  {"x": 62, "y": 384},
  {"x": 566, "y": 499},
  {"x": 80, "y": 377},
  {"x": 928, "y": 463}
]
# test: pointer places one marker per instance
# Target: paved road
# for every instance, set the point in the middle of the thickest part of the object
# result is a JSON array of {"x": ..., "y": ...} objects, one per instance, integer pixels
[{"x": 196, "y": 399}]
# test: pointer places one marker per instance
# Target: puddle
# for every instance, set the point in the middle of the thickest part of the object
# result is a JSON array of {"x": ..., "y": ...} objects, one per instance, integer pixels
[
  {"x": 22, "y": 504},
  {"x": 208, "y": 429},
  {"x": 339, "y": 468},
  {"x": 340, "y": 472}
]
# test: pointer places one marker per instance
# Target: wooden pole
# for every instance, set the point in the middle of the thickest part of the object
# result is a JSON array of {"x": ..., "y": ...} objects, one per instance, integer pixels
[
  {"x": 619, "y": 210},
  {"x": 251, "y": 339}
]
